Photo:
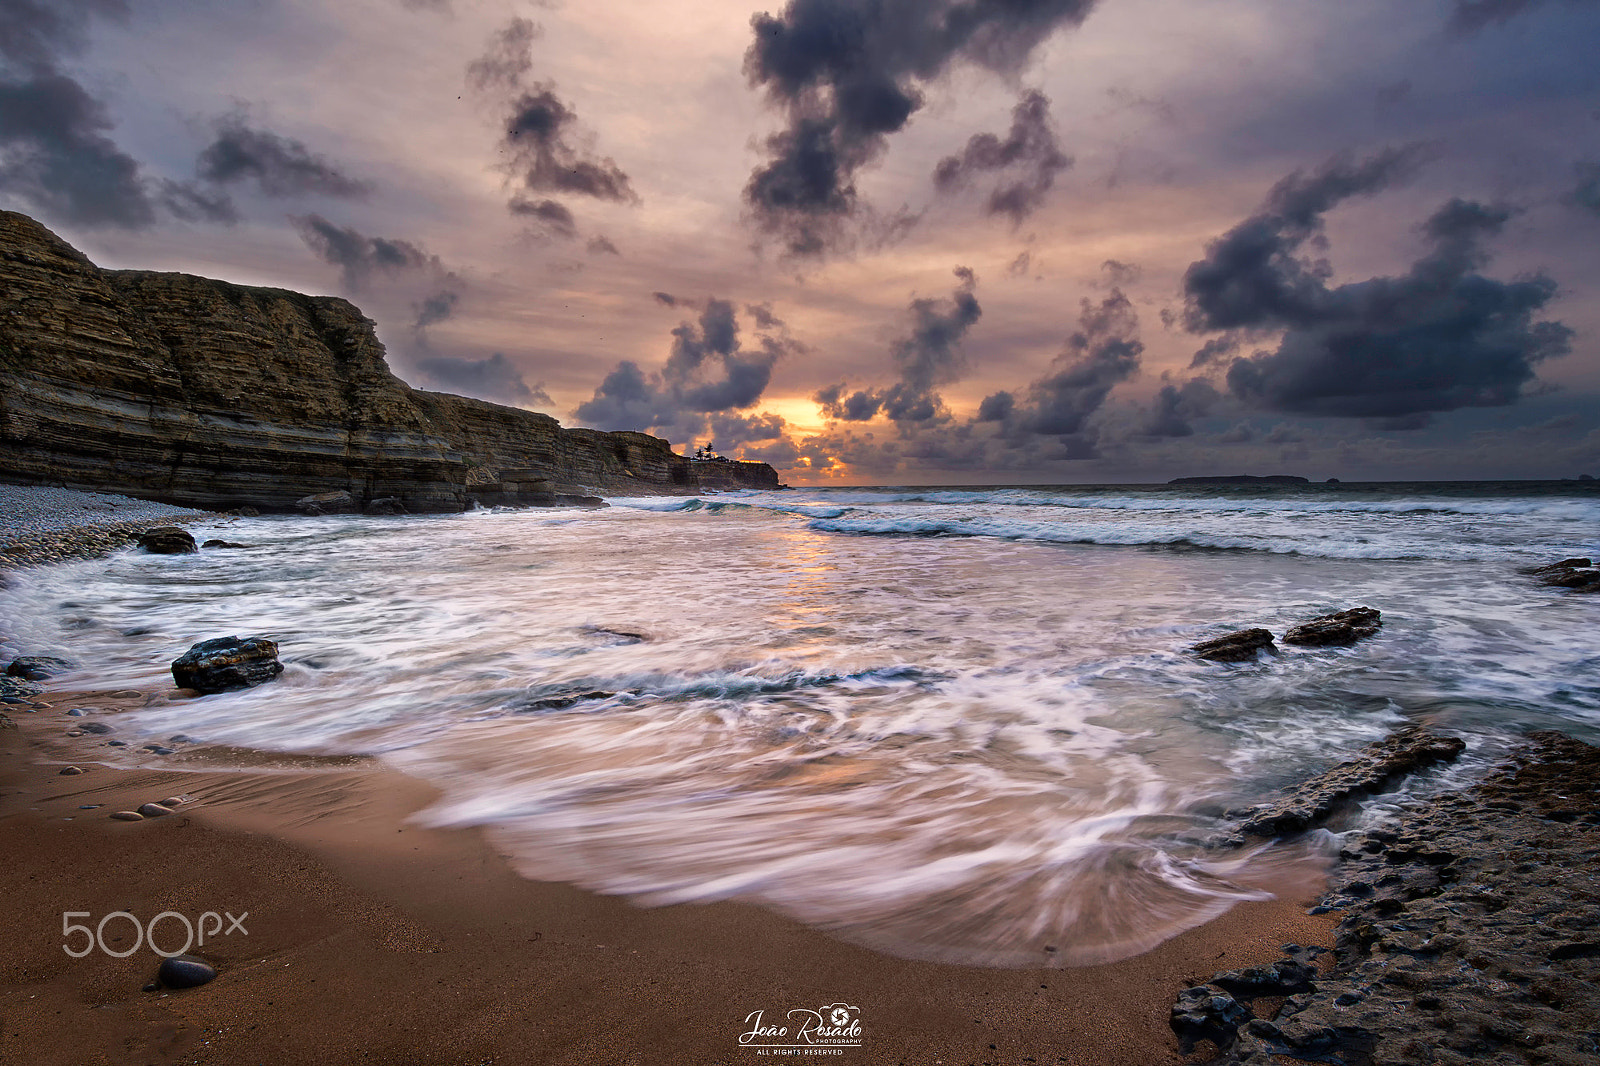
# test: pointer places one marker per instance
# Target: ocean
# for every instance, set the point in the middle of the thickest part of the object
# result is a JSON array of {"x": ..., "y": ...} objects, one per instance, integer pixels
[{"x": 957, "y": 724}]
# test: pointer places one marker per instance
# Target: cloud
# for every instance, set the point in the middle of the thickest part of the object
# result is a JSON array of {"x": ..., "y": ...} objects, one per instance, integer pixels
[
  {"x": 552, "y": 217},
  {"x": 601, "y": 245},
  {"x": 435, "y": 308},
  {"x": 493, "y": 379},
  {"x": 35, "y": 33},
  {"x": 279, "y": 166},
  {"x": 1437, "y": 338},
  {"x": 1586, "y": 194},
  {"x": 846, "y": 74},
  {"x": 508, "y": 58},
  {"x": 1250, "y": 276},
  {"x": 708, "y": 376},
  {"x": 929, "y": 355},
  {"x": 1028, "y": 161},
  {"x": 55, "y": 155},
  {"x": 1176, "y": 405},
  {"x": 666, "y": 299},
  {"x": 192, "y": 203},
  {"x": 1103, "y": 352},
  {"x": 360, "y": 257},
  {"x": 1470, "y": 16}
]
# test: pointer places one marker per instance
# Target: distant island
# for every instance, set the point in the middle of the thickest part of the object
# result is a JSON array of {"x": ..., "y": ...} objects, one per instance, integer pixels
[{"x": 1241, "y": 479}]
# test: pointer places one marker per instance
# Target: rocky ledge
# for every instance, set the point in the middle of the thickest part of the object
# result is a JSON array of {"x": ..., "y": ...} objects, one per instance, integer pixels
[
  {"x": 1471, "y": 934},
  {"x": 221, "y": 396}
]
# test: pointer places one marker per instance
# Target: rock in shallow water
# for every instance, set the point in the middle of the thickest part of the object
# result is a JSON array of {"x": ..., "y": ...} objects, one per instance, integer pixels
[
  {"x": 166, "y": 540},
  {"x": 185, "y": 971},
  {"x": 1341, "y": 627},
  {"x": 37, "y": 667},
  {"x": 227, "y": 663},
  {"x": 322, "y": 503},
  {"x": 1234, "y": 647}
]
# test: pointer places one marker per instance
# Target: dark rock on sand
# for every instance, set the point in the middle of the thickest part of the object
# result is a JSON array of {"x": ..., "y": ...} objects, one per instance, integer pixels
[
  {"x": 153, "y": 810},
  {"x": 17, "y": 688},
  {"x": 166, "y": 540},
  {"x": 227, "y": 663},
  {"x": 185, "y": 971},
  {"x": 1377, "y": 766},
  {"x": 322, "y": 503},
  {"x": 1207, "y": 1013},
  {"x": 157, "y": 749},
  {"x": 6, "y": 722},
  {"x": 385, "y": 505},
  {"x": 1468, "y": 934},
  {"x": 71, "y": 771},
  {"x": 216, "y": 543},
  {"x": 1234, "y": 647},
  {"x": 37, "y": 667},
  {"x": 1341, "y": 627},
  {"x": 99, "y": 728},
  {"x": 127, "y": 816}
]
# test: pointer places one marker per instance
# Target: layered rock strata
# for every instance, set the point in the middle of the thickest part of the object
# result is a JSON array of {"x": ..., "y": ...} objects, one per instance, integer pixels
[{"x": 214, "y": 395}]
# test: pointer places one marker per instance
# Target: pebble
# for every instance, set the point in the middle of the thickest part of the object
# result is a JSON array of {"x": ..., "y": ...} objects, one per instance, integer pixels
[
  {"x": 98, "y": 728},
  {"x": 128, "y": 816},
  {"x": 77, "y": 712},
  {"x": 157, "y": 749},
  {"x": 185, "y": 971},
  {"x": 172, "y": 801},
  {"x": 72, "y": 771},
  {"x": 153, "y": 810},
  {"x": 116, "y": 743},
  {"x": 90, "y": 806},
  {"x": 182, "y": 738}
]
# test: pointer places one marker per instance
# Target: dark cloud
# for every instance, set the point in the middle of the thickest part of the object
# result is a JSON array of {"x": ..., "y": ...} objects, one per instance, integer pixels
[
  {"x": 192, "y": 203},
  {"x": 1019, "y": 266},
  {"x": 928, "y": 356},
  {"x": 1470, "y": 16},
  {"x": 34, "y": 34},
  {"x": 600, "y": 244},
  {"x": 1176, "y": 406},
  {"x": 1390, "y": 95},
  {"x": 1028, "y": 161},
  {"x": 1103, "y": 352},
  {"x": 544, "y": 156},
  {"x": 494, "y": 378},
  {"x": 1437, "y": 338},
  {"x": 666, "y": 299},
  {"x": 279, "y": 166},
  {"x": 847, "y": 73},
  {"x": 1252, "y": 277},
  {"x": 1119, "y": 273},
  {"x": 56, "y": 158},
  {"x": 551, "y": 216},
  {"x": 358, "y": 256},
  {"x": 508, "y": 59},
  {"x": 435, "y": 308},
  {"x": 763, "y": 316},
  {"x": 709, "y": 375},
  {"x": 1586, "y": 194}
]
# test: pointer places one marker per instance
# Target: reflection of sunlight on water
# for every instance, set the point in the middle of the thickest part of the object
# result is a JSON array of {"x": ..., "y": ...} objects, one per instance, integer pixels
[{"x": 966, "y": 749}]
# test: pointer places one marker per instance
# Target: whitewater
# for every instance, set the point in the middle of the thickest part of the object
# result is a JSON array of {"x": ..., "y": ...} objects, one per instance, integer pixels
[{"x": 957, "y": 724}]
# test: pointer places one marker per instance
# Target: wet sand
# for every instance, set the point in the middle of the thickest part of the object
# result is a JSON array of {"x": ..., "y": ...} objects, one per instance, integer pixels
[{"x": 374, "y": 940}]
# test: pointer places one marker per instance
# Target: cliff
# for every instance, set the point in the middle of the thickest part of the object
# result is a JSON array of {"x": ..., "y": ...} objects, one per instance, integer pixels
[{"x": 215, "y": 395}]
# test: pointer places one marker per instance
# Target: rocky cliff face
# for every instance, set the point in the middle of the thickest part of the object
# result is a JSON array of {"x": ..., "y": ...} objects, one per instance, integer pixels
[{"x": 215, "y": 395}]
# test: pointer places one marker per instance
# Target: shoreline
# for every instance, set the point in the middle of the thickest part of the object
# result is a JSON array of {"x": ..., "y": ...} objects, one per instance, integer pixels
[{"x": 369, "y": 935}]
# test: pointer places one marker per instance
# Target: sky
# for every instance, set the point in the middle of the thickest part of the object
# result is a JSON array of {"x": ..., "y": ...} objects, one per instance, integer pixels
[{"x": 884, "y": 241}]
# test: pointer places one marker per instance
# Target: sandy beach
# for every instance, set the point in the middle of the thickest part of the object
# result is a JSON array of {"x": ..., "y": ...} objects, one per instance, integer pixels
[{"x": 371, "y": 939}]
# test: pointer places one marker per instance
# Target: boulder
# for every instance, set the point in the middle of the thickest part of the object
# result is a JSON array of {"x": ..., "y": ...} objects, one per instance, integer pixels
[
  {"x": 322, "y": 503},
  {"x": 386, "y": 505},
  {"x": 1584, "y": 579},
  {"x": 37, "y": 667},
  {"x": 1377, "y": 765},
  {"x": 244, "y": 512},
  {"x": 185, "y": 971},
  {"x": 217, "y": 543},
  {"x": 166, "y": 540},
  {"x": 1341, "y": 627},
  {"x": 1565, "y": 564},
  {"x": 226, "y": 663},
  {"x": 1234, "y": 647}
]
